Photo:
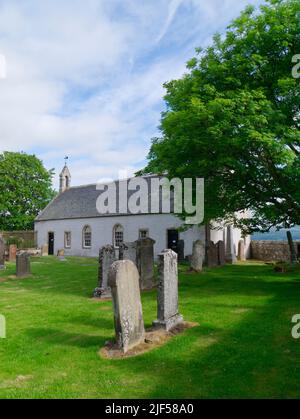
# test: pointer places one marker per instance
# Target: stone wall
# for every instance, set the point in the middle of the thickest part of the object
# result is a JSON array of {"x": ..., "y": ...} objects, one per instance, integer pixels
[{"x": 271, "y": 250}]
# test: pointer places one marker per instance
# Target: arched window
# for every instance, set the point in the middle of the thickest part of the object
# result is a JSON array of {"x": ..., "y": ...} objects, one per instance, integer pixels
[
  {"x": 87, "y": 237},
  {"x": 118, "y": 235}
]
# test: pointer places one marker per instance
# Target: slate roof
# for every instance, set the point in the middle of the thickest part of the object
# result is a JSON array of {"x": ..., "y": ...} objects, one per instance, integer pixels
[{"x": 80, "y": 202}]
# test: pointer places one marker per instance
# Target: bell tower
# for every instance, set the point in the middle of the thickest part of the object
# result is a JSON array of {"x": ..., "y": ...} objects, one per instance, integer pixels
[{"x": 64, "y": 178}]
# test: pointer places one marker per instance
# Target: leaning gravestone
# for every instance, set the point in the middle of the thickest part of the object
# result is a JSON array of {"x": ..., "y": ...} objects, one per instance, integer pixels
[
  {"x": 241, "y": 251},
  {"x": 127, "y": 251},
  {"x": 12, "y": 252},
  {"x": 167, "y": 296},
  {"x": 107, "y": 256},
  {"x": 23, "y": 265},
  {"x": 198, "y": 256},
  {"x": 2, "y": 253},
  {"x": 230, "y": 255},
  {"x": 221, "y": 253},
  {"x": 145, "y": 262},
  {"x": 128, "y": 314}
]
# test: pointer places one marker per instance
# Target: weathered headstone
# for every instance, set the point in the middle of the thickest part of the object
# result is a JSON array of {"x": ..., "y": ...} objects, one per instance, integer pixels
[
  {"x": 221, "y": 253},
  {"x": 145, "y": 262},
  {"x": 230, "y": 255},
  {"x": 45, "y": 250},
  {"x": 198, "y": 256},
  {"x": 241, "y": 251},
  {"x": 167, "y": 296},
  {"x": 127, "y": 251},
  {"x": 23, "y": 265},
  {"x": 212, "y": 255},
  {"x": 180, "y": 247},
  {"x": 2, "y": 253},
  {"x": 107, "y": 257},
  {"x": 128, "y": 314},
  {"x": 12, "y": 252},
  {"x": 61, "y": 253}
]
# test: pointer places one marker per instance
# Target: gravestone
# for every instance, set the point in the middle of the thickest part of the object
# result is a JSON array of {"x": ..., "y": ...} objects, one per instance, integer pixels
[
  {"x": 61, "y": 253},
  {"x": 221, "y": 253},
  {"x": 45, "y": 250},
  {"x": 145, "y": 262},
  {"x": 230, "y": 255},
  {"x": 180, "y": 247},
  {"x": 23, "y": 265},
  {"x": 2, "y": 253},
  {"x": 128, "y": 314},
  {"x": 107, "y": 257},
  {"x": 127, "y": 251},
  {"x": 241, "y": 251},
  {"x": 198, "y": 256},
  {"x": 212, "y": 255},
  {"x": 167, "y": 295},
  {"x": 12, "y": 252}
]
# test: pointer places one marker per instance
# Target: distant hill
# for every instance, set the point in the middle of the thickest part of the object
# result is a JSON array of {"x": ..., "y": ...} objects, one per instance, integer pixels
[{"x": 277, "y": 235}]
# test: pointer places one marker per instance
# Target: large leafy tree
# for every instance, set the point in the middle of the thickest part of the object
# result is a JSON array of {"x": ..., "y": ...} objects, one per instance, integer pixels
[
  {"x": 234, "y": 119},
  {"x": 25, "y": 189}
]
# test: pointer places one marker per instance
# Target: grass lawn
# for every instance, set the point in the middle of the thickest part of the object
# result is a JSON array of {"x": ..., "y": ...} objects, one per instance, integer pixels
[{"x": 241, "y": 348}]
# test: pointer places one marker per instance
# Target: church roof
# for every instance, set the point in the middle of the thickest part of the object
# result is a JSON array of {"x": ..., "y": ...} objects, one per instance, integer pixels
[{"x": 80, "y": 202}]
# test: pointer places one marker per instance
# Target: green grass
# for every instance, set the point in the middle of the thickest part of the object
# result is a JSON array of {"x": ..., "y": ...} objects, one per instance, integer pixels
[{"x": 241, "y": 348}]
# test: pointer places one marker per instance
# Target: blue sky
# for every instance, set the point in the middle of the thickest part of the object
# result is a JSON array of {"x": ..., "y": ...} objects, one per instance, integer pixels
[{"x": 84, "y": 78}]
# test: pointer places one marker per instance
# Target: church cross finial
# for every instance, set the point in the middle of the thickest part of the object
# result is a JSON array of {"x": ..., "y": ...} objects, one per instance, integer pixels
[{"x": 66, "y": 159}]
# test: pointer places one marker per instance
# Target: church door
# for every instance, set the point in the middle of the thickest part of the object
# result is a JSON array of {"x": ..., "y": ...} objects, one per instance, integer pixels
[{"x": 51, "y": 243}]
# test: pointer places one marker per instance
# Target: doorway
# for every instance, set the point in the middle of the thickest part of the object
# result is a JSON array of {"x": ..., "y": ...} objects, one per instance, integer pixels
[
  {"x": 51, "y": 243},
  {"x": 173, "y": 238}
]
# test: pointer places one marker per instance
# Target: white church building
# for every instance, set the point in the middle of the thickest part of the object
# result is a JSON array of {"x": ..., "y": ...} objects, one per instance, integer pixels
[{"x": 72, "y": 222}]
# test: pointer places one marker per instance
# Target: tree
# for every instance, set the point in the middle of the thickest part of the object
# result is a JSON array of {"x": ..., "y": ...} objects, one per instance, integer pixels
[
  {"x": 234, "y": 119},
  {"x": 25, "y": 187}
]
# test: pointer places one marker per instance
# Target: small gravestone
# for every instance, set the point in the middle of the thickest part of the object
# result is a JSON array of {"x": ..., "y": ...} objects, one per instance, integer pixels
[
  {"x": 23, "y": 265},
  {"x": 221, "y": 253},
  {"x": 180, "y": 247},
  {"x": 61, "y": 253},
  {"x": 127, "y": 251},
  {"x": 45, "y": 250},
  {"x": 2, "y": 253},
  {"x": 167, "y": 296},
  {"x": 212, "y": 255},
  {"x": 12, "y": 252},
  {"x": 241, "y": 251},
  {"x": 230, "y": 255},
  {"x": 198, "y": 256},
  {"x": 107, "y": 256},
  {"x": 128, "y": 314},
  {"x": 145, "y": 262}
]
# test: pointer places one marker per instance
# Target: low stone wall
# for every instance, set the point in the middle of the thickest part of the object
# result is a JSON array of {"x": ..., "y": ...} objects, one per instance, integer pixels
[{"x": 272, "y": 250}]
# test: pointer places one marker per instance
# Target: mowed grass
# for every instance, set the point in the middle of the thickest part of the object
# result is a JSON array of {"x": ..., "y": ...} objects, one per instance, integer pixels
[{"x": 242, "y": 347}]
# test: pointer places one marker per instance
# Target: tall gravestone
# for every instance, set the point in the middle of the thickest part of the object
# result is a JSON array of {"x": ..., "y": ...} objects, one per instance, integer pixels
[
  {"x": 45, "y": 250},
  {"x": 127, "y": 305},
  {"x": 23, "y": 265},
  {"x": 145, "y": 262},
  {"x": 127, "y": 251},
  {"x": 180, "y": 246},
  {"x": 212, "y": 255},
  {"x": 12, "y": 253},
  {"x": 198, "y": 256},
  {"x": 167, "y": 296},
  {"x": 221, "y": 252},
  {"x": 241, "y": 251},
  {"x": 2, "y": 253},
  {"x": 230, "y": 255},
  {"x": 107, "y": 257}
]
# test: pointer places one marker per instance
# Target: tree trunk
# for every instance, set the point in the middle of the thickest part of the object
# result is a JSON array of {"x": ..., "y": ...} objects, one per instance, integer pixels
[{"x": 293, "y": 253}]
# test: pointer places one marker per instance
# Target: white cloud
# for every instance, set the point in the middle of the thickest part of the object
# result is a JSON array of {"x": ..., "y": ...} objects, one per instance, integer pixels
[{"x": 85, "y": 78}]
